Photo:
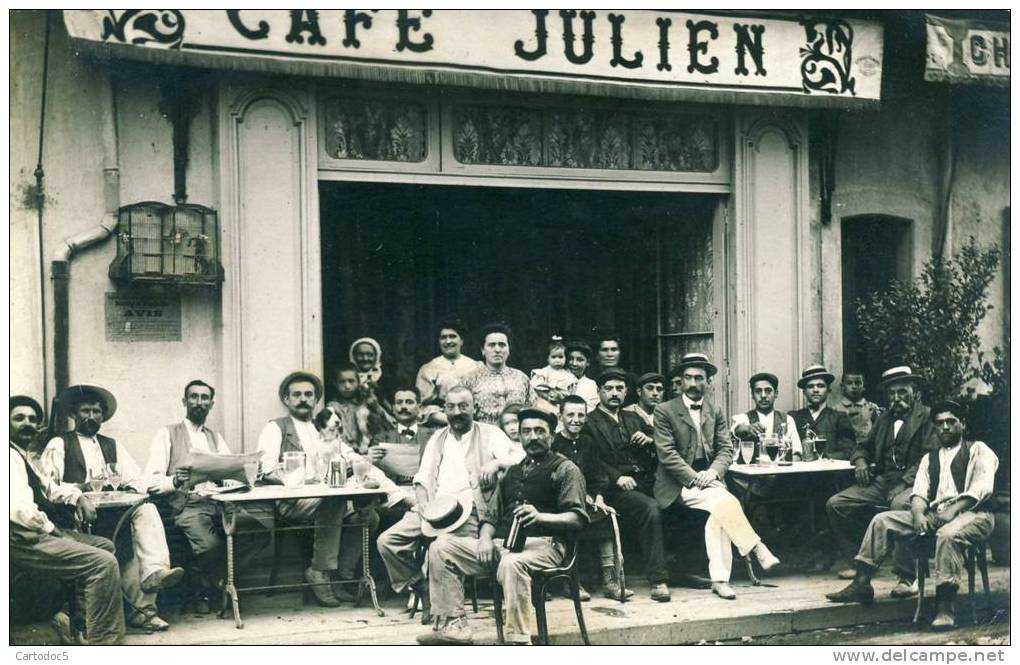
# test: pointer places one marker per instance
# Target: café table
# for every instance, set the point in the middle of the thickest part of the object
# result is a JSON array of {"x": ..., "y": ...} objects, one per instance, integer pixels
[
  {"x": 232, "y": 503},
  {"x": 815, "y": 469},
  {"x": 114, "y": 500}
]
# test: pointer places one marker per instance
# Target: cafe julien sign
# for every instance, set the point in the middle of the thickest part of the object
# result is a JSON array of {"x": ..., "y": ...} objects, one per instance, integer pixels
[{"x": 664, "y": 54}]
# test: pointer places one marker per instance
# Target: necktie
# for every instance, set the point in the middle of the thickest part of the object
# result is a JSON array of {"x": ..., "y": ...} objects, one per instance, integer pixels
[
  {"x": 696, "y": 407},
  {"x": 407, "y": 433}
]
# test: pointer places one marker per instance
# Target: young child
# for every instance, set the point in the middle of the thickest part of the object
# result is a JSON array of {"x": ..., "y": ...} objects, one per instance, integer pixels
[
  {"x": 509, "y": 423},
  {"x": 554, "y": 381}
]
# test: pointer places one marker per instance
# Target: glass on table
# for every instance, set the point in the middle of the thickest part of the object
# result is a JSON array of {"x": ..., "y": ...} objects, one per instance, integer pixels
[
  {"x": 251, "y": 472},
  {"x": 772, "y": 447},
  {"x": 96, "y": 479},
  {"x": 747, "y": 451},
  {"x": 293, "y": 469},
  {"x": 113, "y": 475}
]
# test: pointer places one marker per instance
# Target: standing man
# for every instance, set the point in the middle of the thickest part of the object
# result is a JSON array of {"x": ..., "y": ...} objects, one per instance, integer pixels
[
  {"x": 578, "y": 358},
  {"x": 38, "y": 546},
  {"x": 443, "y": 372},
  {"x": 300, "y": 392},
  {"x": 461, "y": 459},
  {"x": 885, "y": 465},
  {"x": 693, "y": 444},
  {"x": 862, "y": 412},
  {"x": 624, "y": 447},
  {"x": 84, "y": 453},
  {"x": 650, "y": 388},
  {"x": 764, "y": 419},
  {"x": 827, "y": 423},
  {"x": 496, "y": 384},
  {"x": 196, "y": 516},
  {"x": 546, "y": 493},
  {"x": 951, "y": 484}
]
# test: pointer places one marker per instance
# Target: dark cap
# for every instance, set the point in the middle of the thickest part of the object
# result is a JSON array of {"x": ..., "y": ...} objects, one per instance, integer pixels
[
  {"x": 550, "y": 419},
  {"x": 951, "y": 406},
  {"x": 25, "y": 400},
  {"x": 649, "y": 377},
  {"x": 764, "y": 376},
  {"x": 611, "y": 374}
]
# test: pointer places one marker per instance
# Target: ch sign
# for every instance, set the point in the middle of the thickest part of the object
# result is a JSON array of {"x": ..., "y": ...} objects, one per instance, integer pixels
[{"x": 658, "y": 50}]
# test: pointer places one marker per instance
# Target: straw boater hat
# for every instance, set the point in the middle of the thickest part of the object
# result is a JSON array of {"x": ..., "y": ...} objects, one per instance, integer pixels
[
  {"x": 73, "y": 395},
  {"x": 894, "y": 374},
  {"x": 445, "y": 514},
  {"x": 815, "y": 372},
  {"x": 300, "y": 375},
  {"x": 699, "y": 360}
]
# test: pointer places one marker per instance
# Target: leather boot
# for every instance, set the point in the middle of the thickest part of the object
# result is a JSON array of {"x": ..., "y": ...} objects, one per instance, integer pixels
[{"x": 945, "y": 618}]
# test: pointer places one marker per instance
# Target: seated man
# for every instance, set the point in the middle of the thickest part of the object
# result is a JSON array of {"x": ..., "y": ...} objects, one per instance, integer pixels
[
  {"x": 545, "y": 493},
  {"x": 38, "y": 546},
  {"x": 462, "y": 458},
  {"x": 764, "y": 419},
  {"x": 75, "y": 457},
  {"x": 951, "y": 484},
  {"x": 817, "y": 417},
  {"x": 695, "y": 452},
  {"x": 623, "y": 446},
  {"x": 650, "y": 387},
  {"x": 195, "y": 515},
  {"x": 406, "y": 407}
]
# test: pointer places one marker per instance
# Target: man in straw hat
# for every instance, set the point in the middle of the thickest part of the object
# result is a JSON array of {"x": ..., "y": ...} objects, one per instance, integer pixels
[
  {"x": 885, "y": 465},
  {"x": 544, "y": 495},
  {"x": 831, "y": 426},
  {"x": 694, "y": 449},
  {"x": 82, "y": 454},
  {"x": 39, "y": 546},
  {"x": 952, "y": 483}
]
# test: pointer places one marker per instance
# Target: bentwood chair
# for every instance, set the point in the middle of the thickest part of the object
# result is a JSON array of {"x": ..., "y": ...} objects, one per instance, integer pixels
[{"x": 924, "y": 547}]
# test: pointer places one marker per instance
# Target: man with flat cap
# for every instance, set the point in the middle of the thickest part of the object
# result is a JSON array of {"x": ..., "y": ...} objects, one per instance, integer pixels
[
  {"x": 300, "y": 391},
  {"x": 39, "y": 546},
  {"x": 650, "y": 389},
  {"x": 831, "y": 426},
  {"x": 623, "y": 445},
  {"x": 885, "y": 465},
  {"x": 694, "y": 449},
  {"x": 946, "y": 504},
  {"x": 544, "y": 496},
  {"x": 82, "y": 454},
  {"x": 764, "y": 419}
]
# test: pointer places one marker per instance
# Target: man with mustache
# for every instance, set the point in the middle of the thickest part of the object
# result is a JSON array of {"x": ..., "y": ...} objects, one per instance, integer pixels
[
  {"x": 300, "y": 392},
  {"x": 545, "y": 492},
  {"x": 693, "y": 444},
  {"x": 623, "y": 445},
  {"x": 196, "y": 516},
  {"x": 946, "y": 502},
  {"x": 74, "y": 457},
  {"x": 885, "y": 466},
  {"x": 38, "y": 546},
  {"x": 496, "y": 384},
  {"x": 443, "y": 372},
  {"x": 462, "y": 458}
]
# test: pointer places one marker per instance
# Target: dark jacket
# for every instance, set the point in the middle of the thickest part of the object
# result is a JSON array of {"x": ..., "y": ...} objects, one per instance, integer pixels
[
  {"x": 582, "y": 453},
  {"x": 834, "y": 426},
  {"x": 917, "y": 436},
  {"x": 676, "y": 442},
  {"x": 613, "y": 449}
]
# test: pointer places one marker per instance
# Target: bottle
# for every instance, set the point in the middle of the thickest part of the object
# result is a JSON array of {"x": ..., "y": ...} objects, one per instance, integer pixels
[
  {"x": 516, "y": 538},
  {"x": 337, "y": 470}
]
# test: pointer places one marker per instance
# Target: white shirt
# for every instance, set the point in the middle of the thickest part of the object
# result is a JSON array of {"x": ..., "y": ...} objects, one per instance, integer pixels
[
  {"x": 159, "y": 454},
  {"x": 453, "y": 471},
  {"x": 588, "y": 390},
  {"x": 52, "y": 462},
  {"x": 767, "y": 422},
  {"x": 649, "y": 418},
  {"x": 24, "y": 511},
  {"x": 271, "y": 439},
  {"x": 897, "y": 424},
  {"x": 440, "y": 374},
  {"x": 979, "y": 480},
  {"x": 695, "y": 413}
]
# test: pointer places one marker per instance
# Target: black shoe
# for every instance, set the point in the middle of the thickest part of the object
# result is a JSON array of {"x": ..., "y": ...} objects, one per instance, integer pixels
[{"x": 853, "y": 593}]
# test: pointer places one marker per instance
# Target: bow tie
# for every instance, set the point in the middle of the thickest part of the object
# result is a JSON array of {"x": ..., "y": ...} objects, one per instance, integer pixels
[
  {"x": 408, "y": 432},
  {"x": 695, "y": 407}
]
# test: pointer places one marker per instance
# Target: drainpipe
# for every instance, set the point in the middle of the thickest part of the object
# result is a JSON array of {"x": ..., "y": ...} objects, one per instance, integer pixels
[{"x": 60, "y": 268}]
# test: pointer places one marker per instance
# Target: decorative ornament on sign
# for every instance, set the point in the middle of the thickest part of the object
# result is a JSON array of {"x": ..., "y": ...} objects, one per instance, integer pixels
[{"x": 143, "y": 26}]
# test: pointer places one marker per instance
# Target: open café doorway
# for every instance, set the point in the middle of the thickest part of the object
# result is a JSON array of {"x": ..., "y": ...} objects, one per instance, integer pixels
[{"x": 398, "y": 259}]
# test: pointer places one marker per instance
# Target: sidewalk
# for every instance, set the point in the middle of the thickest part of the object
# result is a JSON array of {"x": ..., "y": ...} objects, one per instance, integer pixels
[{"x": 796, "y": 603}]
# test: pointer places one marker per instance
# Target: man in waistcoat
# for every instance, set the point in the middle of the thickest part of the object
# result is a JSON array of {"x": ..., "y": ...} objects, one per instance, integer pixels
[
  {"x": 545, "y": 493},
  {"x": 195, "y": 515},
  {"x": 39, "y": 546},
  {"x": 946, "y": 500},
  {"x": 818, "y": 417},
  {"x": 693, "y": 444},
  {"x": 461, "y": 459},
  {"x": 75, "y": 457},
  {"x": 885, "y": 464},
  {"x": 624, "y": 447},
  {"x": 764, "y": 419}
]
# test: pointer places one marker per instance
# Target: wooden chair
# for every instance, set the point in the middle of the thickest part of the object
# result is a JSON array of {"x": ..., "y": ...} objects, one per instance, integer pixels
[
  {"x": 924, "y": 548},
  {"x": 420, "y": 554},
  {"x": 540, "y": 580}
]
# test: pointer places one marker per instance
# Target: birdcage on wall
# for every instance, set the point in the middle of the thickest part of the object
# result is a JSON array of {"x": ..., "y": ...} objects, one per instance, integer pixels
[{"x": 167, "y": 244}]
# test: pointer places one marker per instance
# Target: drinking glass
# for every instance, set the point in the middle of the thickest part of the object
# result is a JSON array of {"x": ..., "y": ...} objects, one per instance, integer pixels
[
  {"x": 772, "y": 449},
  {"x": 820, "y": 442},
  {"x": 361, "y": 467},
  {"x": 747, "y": 451},
  {"x": 113, "y": 477},
  {"x": 293, "y": 469},
  {"x": 96, "y": 480},
  {"x": 251, "y": 472}
]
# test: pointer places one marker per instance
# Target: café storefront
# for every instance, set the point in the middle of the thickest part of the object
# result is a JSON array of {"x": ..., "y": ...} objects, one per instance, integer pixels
[{"x": 371, "y": 172}]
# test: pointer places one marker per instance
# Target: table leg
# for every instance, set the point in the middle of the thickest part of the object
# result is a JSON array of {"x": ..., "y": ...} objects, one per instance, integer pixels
[
  {"x": 366, "y": 570},
  {"x": 230, "y": 591}
]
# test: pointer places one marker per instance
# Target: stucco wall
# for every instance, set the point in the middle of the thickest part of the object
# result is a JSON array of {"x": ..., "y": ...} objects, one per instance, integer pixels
[{"x": 146, "y": 377}]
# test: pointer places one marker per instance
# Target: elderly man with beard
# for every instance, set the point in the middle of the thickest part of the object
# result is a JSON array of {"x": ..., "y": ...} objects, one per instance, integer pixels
[
  {"x": 545, "y": 492},
  {"x": 40, "y": 547},
  {"x": 196, "y": 516},
  {"x": 951, "y": 484},
  {"x": 693, "y": 444},
  {"x": 75, "y": 457},
  {"x": 463, "y": 458},
  {"x": 885, "y": 465}
]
